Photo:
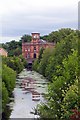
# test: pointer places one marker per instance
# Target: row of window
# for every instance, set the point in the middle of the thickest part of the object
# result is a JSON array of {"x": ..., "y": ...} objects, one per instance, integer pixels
[
  {"x": 28, "y": 55},
  {"x": 29, "y": 49}
]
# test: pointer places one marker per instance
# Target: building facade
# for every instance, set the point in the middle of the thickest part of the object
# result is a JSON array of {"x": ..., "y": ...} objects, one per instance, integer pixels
[
  {"x": 31, "y": 50},
  {"x": 3, "y": 52}
]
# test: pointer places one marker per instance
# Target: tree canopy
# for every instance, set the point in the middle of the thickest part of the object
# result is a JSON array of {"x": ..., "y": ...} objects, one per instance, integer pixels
[
  {"x": 26, "y": 38},
  {"x": 61, "y": 67}
]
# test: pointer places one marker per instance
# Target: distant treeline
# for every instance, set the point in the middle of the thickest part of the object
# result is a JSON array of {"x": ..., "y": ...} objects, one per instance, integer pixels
[
  {"x": 60, "y": 66},
  {"x": 14, "y": 48}
]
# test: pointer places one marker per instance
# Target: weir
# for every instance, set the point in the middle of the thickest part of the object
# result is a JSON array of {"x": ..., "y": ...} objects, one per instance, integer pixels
[{"x": 28, "y": 93}]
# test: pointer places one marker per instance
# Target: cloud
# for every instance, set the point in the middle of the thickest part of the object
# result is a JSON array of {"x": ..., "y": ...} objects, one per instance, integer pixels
[
  {"x": 7, "y": 39},
  {"x": 25, "y": 16}
]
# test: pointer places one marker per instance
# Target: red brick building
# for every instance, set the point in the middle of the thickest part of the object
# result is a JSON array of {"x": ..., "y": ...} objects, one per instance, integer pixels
[{"x": 30, "y": 51}]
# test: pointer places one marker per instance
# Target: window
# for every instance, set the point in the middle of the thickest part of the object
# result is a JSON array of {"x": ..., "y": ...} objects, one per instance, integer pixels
[
  {"x": 28, "y": 55},
  {"x": 28, "y": 49},
  {"x": 35, "y": 48},
  {"x": 34, "y": 55}
]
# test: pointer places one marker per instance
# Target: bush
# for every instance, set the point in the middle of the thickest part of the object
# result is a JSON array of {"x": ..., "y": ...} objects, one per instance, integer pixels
[{"x": 9, "y": 78}]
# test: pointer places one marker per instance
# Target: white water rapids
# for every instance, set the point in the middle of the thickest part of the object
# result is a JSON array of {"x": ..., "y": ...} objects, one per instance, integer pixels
[{"x": 23, "y": 104}]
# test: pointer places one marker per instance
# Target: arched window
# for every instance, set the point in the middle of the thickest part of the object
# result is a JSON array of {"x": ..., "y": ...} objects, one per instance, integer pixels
[
  {"x": 34, "y": 55},
  {"x": 34, "y": 47},
  {"x": 28, "y": 55}
]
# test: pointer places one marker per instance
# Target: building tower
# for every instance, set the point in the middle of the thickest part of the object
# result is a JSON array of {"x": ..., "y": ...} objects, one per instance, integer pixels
[{"x": 35, "y": 37}]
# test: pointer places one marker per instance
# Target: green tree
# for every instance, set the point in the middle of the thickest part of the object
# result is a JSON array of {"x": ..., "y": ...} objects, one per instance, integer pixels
[
  {"x": 62, "y": 70},
  {"x": 45, "y": 56},
  {"x": 8, "y": 77},
  {"x": 4, "y": 96},
  {"x": 17, "y": 52},
  {"x": 40, "y": 54},
  {"x": 61, "y": 51},
  {"x": 35, "y": 65},
  {"x": 13, "y": 47},
  {"x": 16, "y": 63},
  {"x": 70, "y": 101},
  {"x": 26, "y": 38},
  {"x": 63, "y": 90},
  {"x": 57, "y": 36},
  {"x": 23, "y": 60},
  {"x": 37, "y": 61}
]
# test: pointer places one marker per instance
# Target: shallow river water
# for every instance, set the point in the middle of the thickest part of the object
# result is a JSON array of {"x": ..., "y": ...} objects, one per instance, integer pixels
[{"x": 27, "y": 98}]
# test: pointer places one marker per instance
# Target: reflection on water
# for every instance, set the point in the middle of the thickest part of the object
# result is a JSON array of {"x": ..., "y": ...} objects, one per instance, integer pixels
[{"x": 30, "y": 86}]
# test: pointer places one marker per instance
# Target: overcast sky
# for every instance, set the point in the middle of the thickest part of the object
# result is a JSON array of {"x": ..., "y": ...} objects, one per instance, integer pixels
[{"x": 19, "y": 17}]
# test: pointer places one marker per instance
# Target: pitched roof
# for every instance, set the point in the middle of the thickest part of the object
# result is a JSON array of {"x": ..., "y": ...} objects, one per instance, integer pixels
[
  {"x": 42, "y": 41},
  {"x": 3, "y": 49}
]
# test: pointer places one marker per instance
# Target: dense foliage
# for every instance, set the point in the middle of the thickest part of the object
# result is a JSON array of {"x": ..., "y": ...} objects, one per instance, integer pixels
[
  {"x": 26, "y": 38},
  {"x": 8, "y": 84},
  {"x": 16, "y": 63},
  {"x": 8, "y": 77},
  {"x": 11, "y": 66},
  {"x": 56, "y": 36},
  {"x": 60, "y": 67},
  {"x": 14, "y": 48},
  {"x": 4, "y": 96}
]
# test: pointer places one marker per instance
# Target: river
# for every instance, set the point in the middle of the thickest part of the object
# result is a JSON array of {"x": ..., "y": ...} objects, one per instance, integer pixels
[{"x": 28, "y": 93}]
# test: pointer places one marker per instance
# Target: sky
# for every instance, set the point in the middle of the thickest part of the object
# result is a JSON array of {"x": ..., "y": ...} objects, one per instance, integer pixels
[{"x": 19, "y": 17}]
